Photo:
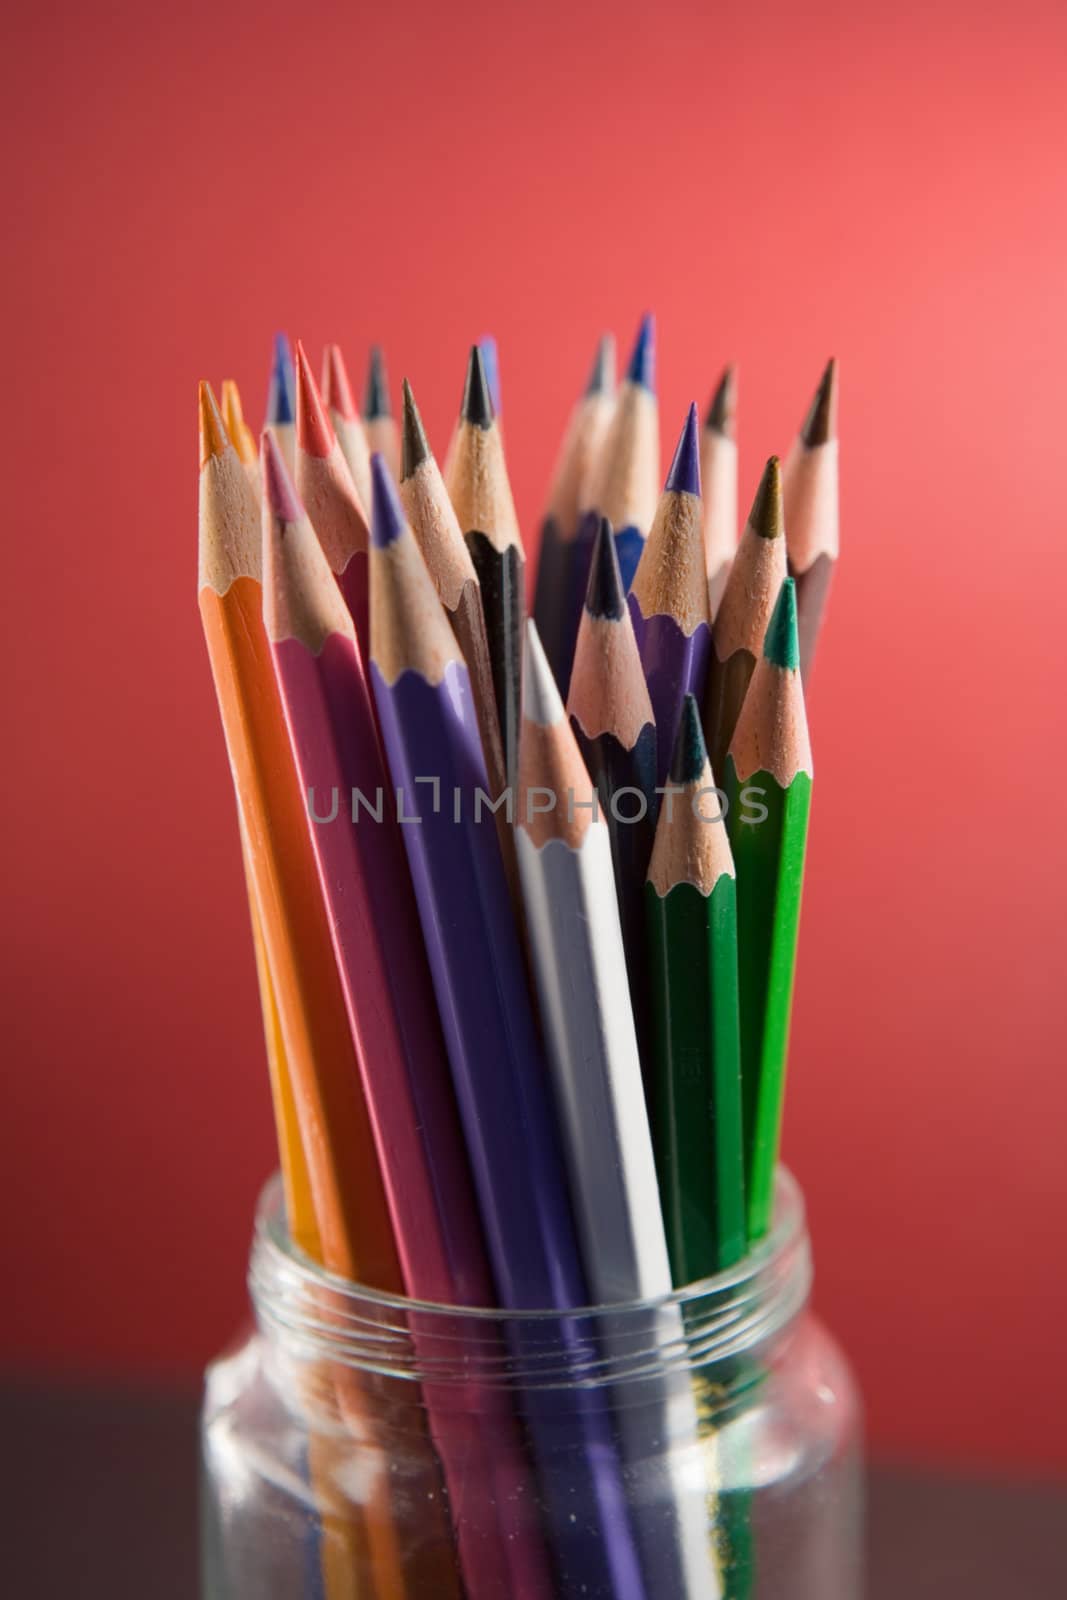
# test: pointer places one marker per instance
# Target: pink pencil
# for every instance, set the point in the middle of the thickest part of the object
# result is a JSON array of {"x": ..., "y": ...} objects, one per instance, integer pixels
[{"x": 365, "y": 883}]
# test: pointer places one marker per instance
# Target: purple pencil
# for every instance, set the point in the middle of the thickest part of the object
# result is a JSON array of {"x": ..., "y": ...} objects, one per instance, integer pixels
[
  {"x": 669, "y": 597},
  {"x": 426, "y": 713}
]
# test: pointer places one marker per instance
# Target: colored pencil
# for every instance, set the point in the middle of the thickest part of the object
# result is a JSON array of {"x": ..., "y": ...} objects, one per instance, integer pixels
[
  {"x": 809, "y": 496},
  {"x": 433, "y": 521},
  {"x": 555, "y": 613},
  {"x": 580, "y": 972},
  {"x": 329, "y": 495},
  {"x": 691, "y": 903},
  {"x": 281, "y": 399},
  {"x": 378, "y": 421},
  {"x": 346, "y": 420},
  {"x": 752, "y": 588},
  {"x": 625, "y": 483},
  {"x": 241, "y": 436},
  {"x": 491, "y": 362},
  {"x": 429, "y": 727},
  {"x": 718, "y": 471},
  {"x": 481, "y": 494},
  {"x": 352, "y": 1232},
  {"x": 388, "y": 989},
  {"x": 669, "y": 597},
  {"x": 612, "y": 718},
  {"x": 768, "y": 780}
]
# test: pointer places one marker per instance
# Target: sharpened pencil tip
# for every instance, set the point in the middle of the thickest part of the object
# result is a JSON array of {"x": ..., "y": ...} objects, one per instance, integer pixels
[
  {"x": 684, "y": 476},
  {"x": 722, "y": 412},
  {"x": 314, "y": 430},
  {"x": 603, "y": 596},
  {"x": 765, "y": 518},
  {"x": 820, "y": 424},
  {"x": 241, "y": 436},
  {"x": 281, "y": 395},
  {"x": 541, "y": 699},
  {"x": 336, "y": 389},
  {"x": 376, "y": 402},
  {"x": 602, "y": 374},
  {"x": 415, "y": 446},
  {"x": 491, "y": 362},
  {"x": 387, "y": 518},
  {"x": 477, "y": 404},
  {"x": 781, "y": 644},
  {"x": 642, "y": 367},
  {"x": 281, "y": 496},
  {"x": 213, "y": 436},
  {"x": 690, "y": 754}
]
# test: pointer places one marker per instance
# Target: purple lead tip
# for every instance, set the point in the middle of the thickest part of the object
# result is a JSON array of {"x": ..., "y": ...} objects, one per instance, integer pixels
[
  {"x": 642, "y": 368},
  {"x": 277, "y": 484},
  {"x": 387, "y": 519},
  {"x": 684, "y": 476}
]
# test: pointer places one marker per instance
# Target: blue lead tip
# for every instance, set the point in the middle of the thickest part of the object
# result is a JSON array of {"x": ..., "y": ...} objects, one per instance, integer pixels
[
  {"x": 281, "y": 395},
  {"x": 491, "y": 363},
  {"x": 387, "y": 519},
  {"x": 684, "y": 476},
  {"x": 642, "y": 368}
]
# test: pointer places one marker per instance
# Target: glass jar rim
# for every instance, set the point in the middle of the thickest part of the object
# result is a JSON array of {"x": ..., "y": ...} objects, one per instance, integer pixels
[{"x": 302, "y": 1304}]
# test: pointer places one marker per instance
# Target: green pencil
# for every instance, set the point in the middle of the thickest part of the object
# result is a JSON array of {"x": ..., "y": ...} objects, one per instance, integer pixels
[
  {"x": 768, "y": 780},
  {"x": 696, "y": 1055}
]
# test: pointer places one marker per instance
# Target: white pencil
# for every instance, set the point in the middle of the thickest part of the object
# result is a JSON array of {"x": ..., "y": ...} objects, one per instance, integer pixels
[{"x": 579, "y": 968}]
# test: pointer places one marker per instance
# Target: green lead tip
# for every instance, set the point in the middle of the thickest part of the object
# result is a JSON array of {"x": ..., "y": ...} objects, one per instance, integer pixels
[
  {"x": 781, "y": 645},
  {"x": 690, "y": 754}
]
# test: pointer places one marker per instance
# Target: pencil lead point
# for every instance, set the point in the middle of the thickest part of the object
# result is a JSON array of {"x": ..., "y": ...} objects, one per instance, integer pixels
[
  {"x": 278, "y": 487},
  {"x": 415, "y": 447},
  {"x": 690, "y": 754},
  {"x": 642, "y": 367},
  {"x": 387, "y": 518},
  {"x": 820, "y": 424},
  {"x": 722, "y": 412},
  {"x": 281, "y": 398},
  {"x": 336, "y": 389},
  {"x": 477, "y": 401},
  {"x": 241, "y": 436},
  {"x": 314, "y": 430},
  {"x": 491, "y": 362},
  {"x": 376, "y": 401},
  {"x": 541, "y": 698},
  {"x": 213, "y": 436},
  {"x": 781, "y": 645},
  {"x": 684, "y": 476},
  {"x": 765, "y": 518},
  {"x": 603, "y": 596},
  {"x": 602, "y": 375}
]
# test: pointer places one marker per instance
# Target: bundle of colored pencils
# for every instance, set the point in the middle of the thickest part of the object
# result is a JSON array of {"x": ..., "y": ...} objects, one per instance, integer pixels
[{"x": 528, "y": 1053}]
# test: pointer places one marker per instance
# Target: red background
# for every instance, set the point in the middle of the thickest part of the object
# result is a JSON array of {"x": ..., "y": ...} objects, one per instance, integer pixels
[{"x": 779, "y": 183}]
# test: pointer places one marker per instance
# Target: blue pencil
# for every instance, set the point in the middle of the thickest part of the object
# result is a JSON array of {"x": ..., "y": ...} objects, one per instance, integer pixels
[
  {"x": 281, "y": 400},
  {"x": 626, "y": 484}
]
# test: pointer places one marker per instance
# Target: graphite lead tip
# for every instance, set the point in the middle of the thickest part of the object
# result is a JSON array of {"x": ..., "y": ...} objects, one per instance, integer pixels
[
  {"x": 602, "y": 374},
  {"x": 415, "y": 445},
  {"x": 684, "y": 476},
  {"x": 820, "y": 424},
  {"x": 477, "y": 405},
  {"x": 603, "y": 595}
]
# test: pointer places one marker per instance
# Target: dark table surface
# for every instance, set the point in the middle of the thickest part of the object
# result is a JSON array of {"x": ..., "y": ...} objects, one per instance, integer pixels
[{"x": 99, "y": 1499}]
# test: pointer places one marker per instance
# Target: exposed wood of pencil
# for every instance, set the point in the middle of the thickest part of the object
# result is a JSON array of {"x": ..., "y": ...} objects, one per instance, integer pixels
[
  {"x": 613, "y": 721},
  {"x": 669, "y": 597},
  {"x": 741, "y": 620},
  {"x": 378, "y": 942},
  {"x": 810, "y": 499},
  {"x": 427, "y": 720},
  {"x": 625, "y": 481},
  {"x": 718, "y": 471},
  {"x": 556, "y": 621},
  {"x": 379, "y": 423},
  {"x": 481, "y": 495},
  {"x": 580, "y": 971},
  {"x": 347, "y": 422},
  {"x": 351, "y": 1217},
  {"x": 325, "y": 486},
  {"x": 696, "y": 1103},
  {"x": 768, "y": 780},
  {"x": 349, "y": 1198}
]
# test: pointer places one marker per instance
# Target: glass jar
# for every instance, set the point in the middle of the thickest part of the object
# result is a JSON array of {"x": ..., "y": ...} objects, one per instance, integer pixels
[{"x": 320, "y": 1477}]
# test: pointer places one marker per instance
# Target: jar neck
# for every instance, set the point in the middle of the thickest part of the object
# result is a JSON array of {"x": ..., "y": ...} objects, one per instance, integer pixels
[{"x": 717, "y": 1328}]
